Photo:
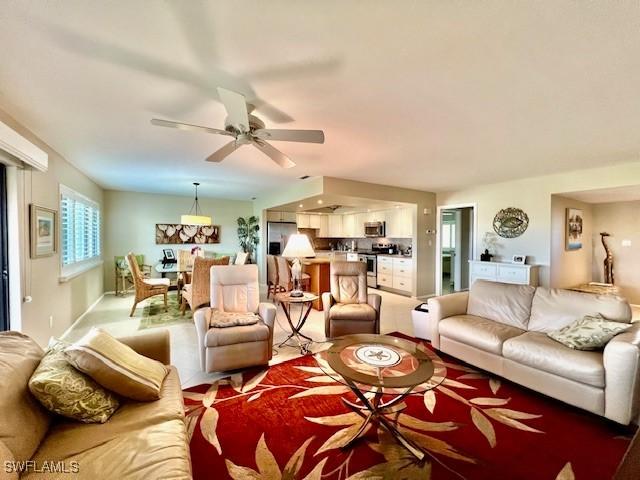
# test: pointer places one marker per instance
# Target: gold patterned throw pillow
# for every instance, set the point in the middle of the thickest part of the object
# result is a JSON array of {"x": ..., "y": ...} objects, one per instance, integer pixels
[
  {"x": 62, "y": 389},
  {"x": 589, "y": 333},
  {"x": 117, "y": 366}
]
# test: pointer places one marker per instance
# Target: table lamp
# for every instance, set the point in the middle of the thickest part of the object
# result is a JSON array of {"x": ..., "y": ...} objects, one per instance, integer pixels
[{"x": 298, "y": 246}]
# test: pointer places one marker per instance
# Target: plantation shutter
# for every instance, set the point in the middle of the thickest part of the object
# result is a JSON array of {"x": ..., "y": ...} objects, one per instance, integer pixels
[{"x": 80, "y": 227}]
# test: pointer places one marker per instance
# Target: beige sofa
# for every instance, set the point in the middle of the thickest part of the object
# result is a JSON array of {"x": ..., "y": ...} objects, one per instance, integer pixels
[
  {"x": 502, "y": 328},
  {"x": 141, "y": 440}
]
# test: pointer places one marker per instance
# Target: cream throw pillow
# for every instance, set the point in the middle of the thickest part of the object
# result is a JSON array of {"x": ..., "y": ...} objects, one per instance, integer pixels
[
  {"x": 62, "y": 389},
  {"x": 589, "y": 333},
  {"x": 116, "y": 366}
]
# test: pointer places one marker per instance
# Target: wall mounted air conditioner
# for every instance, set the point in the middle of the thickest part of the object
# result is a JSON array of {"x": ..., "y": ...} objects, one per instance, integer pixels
[{"x": 21, "y": 148}]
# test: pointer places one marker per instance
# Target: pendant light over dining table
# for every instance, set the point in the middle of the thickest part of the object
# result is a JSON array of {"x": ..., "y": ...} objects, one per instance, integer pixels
[{"x": 195, "y": 217}]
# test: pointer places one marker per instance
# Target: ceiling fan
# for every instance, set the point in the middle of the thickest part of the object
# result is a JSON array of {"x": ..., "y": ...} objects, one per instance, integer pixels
[{"x": 247, "y": 129}]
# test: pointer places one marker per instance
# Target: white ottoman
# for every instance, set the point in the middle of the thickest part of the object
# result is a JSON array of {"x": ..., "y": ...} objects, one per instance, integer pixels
[{"x": 421, "y": 322}]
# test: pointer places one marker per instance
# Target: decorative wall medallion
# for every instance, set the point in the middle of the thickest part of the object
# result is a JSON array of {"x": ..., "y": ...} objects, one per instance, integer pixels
[
  {"x": 175, "y": 233},
  {"x": 510, "y": 222}
]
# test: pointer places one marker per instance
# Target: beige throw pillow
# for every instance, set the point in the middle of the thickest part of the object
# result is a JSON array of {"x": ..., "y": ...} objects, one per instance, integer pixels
[
  {"x": 218, "y": 319},
  {"x": 588, "y": 333},
  {"x": 116, "y": 366},
  {"x": 62, "y": 389}
]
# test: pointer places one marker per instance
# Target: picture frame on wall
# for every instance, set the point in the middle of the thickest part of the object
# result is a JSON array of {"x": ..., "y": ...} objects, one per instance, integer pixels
[
  {"x": 43, "y": 223},
  {"x": 574, "y": 229}
]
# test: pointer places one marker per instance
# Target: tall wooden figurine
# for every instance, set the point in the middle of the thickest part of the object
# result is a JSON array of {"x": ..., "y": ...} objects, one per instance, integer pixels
[{"x": 608, "y": 260}]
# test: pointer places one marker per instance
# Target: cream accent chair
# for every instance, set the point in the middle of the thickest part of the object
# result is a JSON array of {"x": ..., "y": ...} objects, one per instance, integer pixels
[
  {"x": 145, "y": 287},
  {"x": 502, "y": 328},
  {"x": 197, "y": 293},
  {"x": 348, "y": 308},
  {"x": 234, "y": 288}
]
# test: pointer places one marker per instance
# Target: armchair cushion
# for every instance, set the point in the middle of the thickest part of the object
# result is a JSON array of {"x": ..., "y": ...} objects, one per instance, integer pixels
[
  {"x": 218, "y": 337},
  {"x": 353, "y": 311},
  {"x": 218, "y": 319},
  {"x": 349, "y": 282},
  {"x": 234, "y": 288}
]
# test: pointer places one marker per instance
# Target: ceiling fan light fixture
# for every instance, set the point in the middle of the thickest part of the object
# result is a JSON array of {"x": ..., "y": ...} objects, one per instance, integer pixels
[{"x": 194, "y": 217}]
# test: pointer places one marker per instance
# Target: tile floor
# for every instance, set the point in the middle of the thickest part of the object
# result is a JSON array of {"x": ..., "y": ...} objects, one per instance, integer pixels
[{"x": 112, "y": 314}]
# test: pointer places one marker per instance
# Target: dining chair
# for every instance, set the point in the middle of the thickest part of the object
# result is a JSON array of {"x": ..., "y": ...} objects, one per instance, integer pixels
[
  {"x": 122, "y": 274},
  {"x": 146, "y": 287},
  {"x": 285, "y": 279},
  {"x": 197, "y": 293},
  {"x": 273, "y": 286}
]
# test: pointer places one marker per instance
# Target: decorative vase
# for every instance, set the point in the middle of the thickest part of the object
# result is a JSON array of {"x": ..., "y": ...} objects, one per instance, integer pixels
[{"x": 486, "y": 256}]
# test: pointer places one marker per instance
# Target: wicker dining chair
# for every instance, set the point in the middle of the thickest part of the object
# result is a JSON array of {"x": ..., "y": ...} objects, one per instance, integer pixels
[
  {"x": 145, "y": 287},
  {"x": 285, "y": 280},
  {"x": 198, "y": 293},
  {"x": 273, "y": 286}
]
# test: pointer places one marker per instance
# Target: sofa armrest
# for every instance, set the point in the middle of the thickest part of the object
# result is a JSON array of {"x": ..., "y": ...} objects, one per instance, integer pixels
[
  {"x": 375, "y": 301},
  {"x": 327, "y": 302},
  {"x": 201, "y": 318},
  {"x": 443, "y": 307},
  {"x": 267, "y": 312},
  {"x": 622, "y": 376},
  {"x": 155, "y": 345}
]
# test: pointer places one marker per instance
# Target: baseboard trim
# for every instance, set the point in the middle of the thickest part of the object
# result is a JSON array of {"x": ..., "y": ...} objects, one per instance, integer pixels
[{"x": 86, "y": 312}]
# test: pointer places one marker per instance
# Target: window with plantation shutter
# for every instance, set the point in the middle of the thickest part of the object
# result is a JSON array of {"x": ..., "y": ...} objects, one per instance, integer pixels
[{"x": 79, "y": 232}]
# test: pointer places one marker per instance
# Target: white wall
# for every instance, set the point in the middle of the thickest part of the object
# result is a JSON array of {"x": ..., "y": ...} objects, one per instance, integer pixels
[
  {"x": 130, "y": 220},
  {"x": 62, "y": 302},
  {"x": 570, "y": 267},
  {"x": 622, "y": 221},
  {"x": 533, "y": 195}
]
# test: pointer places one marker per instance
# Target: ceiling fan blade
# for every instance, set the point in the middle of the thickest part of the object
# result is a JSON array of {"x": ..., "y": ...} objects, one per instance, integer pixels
[
  {"x": 188, "y": 126},
  {"x": 273, "y": 153},
  {"x": 236, "y": 106},
  {"x": 223, "y": 152},
  {"x": 306, "y": 136}
]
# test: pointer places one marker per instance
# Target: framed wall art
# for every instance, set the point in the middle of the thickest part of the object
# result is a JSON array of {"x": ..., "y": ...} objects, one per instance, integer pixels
[
  {"x": 43, "y": 231},
  {"x": 574, "y": 221},
  {"x": 176, "y": 234}
]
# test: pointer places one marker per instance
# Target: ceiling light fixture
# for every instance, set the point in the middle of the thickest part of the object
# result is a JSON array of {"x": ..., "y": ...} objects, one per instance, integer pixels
[
  {"x": 194, "y": 216},
  {"x": 319, "y": 202},
  {"x": 300, "y": 206}
]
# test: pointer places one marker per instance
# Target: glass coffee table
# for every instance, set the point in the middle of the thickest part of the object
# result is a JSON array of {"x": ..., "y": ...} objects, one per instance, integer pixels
[{"x": 381, "y": 371}]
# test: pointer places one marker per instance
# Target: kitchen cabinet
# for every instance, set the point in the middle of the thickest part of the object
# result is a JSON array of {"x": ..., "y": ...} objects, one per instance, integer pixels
[
  {"x": 396, "y": 272},
  {"x": 335, "y": 226},
  {"x": 303, "y": 220},
  {"x": 273, "y": 216},
  {"x": 399, "y": 223},
  {"x": 360, "y": 220},
  {"x": 348, "y": 225},
  {"x": 314, "y": 221},
  {"x": 323, "y": 231}
]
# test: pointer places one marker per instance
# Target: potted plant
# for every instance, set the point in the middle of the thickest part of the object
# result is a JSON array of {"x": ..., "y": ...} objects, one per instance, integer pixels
[{"x": 248, "y": 229}]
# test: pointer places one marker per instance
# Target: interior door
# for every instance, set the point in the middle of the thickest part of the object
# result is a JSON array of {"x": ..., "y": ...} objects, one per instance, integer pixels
[{"x": 4, "y": 254}]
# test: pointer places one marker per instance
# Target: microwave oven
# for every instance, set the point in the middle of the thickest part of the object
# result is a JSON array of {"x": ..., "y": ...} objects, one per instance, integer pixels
[{"x": 374, "y": 229}]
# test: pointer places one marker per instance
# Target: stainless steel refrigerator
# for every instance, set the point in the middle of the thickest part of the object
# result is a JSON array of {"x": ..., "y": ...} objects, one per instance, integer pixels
[{"x": 278, "y": 234}]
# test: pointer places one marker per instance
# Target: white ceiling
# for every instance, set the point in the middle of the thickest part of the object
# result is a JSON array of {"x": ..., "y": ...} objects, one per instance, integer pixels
[
  {"x": 607, "y": 195},
  {"x": 423, "y": 94}
]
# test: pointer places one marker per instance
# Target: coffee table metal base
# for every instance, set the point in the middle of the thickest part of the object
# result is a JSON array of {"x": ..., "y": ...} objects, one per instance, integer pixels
[{"x": 376, "y": 410}]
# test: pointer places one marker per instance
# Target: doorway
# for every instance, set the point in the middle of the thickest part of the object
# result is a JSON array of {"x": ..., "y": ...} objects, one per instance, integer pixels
[
  {"x": 456, "y": 240},
  {"x": 4, "y": 252}
]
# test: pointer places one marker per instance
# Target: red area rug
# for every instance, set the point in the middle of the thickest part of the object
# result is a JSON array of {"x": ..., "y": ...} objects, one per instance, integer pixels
[{"x": 288, "y": 422}]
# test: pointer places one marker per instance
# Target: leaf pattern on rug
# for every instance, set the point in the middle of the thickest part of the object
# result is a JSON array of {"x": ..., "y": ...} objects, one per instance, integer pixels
[
  {"x": 268, "y": 468},
  {"x": 566, "y": 473}
]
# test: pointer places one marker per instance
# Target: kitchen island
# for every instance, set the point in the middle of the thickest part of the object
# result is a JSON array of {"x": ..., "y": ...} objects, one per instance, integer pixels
[{"x": 318, "y": 270}]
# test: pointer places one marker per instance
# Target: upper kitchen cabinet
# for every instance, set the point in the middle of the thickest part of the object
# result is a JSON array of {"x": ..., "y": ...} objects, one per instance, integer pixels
[
  {"x": 399, "y": 223},
  {"x": 315, "y": 221},
  {"x": 360, "y": 220},
  {"x": 335, "y": 226},
  {"x": 348, "y": 225},
  {"x": 323, "y": 231},
  {"x": 273, "y": 216},
  {"x": 303, "y": 220}
]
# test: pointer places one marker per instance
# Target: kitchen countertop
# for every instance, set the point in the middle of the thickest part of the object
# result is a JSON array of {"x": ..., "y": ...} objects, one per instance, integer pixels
[{"x": 366, "y": 252}]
